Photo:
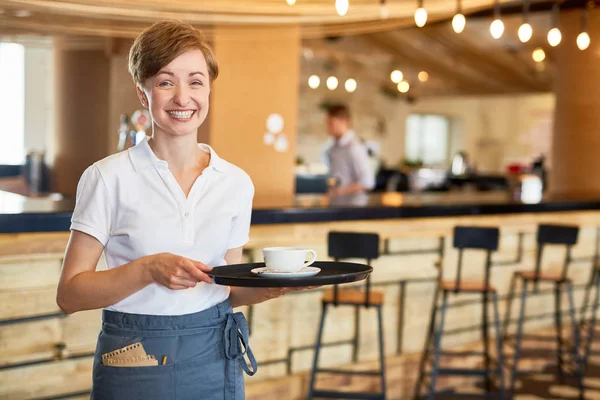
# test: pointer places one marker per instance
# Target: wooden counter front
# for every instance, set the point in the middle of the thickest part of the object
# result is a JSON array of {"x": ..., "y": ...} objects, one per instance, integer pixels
[{"x": 33, "y": 331}]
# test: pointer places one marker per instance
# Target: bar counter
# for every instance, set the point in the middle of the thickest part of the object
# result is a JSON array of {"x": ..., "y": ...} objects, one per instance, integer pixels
[{"x": 53, "y": 213}]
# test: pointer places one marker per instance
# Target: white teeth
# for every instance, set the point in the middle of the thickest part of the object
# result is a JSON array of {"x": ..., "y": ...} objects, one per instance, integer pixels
[{"x": 181, "y": 114}]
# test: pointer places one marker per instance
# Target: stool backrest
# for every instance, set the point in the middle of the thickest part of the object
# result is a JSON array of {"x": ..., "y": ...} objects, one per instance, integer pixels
[
  {"x": 353, "y": 245},
  {"x": 475, "y": 238},
  {"x": 552, "y": 234},
  {"x": 343, "y": 245}
]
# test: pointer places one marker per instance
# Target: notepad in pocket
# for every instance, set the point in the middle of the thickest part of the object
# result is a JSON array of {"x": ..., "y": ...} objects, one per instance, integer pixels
[
  {"x": 132, "y": 355},
  {"x": 139, "y": 361}
]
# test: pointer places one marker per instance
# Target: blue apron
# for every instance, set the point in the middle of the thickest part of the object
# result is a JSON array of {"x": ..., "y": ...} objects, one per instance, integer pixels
[{"x": 204, "y": 356}]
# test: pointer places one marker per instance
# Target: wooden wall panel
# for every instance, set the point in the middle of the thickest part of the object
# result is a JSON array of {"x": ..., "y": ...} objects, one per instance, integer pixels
[
  {"x": 46, "y": 380},
  {"x": 23, "y": 303}
]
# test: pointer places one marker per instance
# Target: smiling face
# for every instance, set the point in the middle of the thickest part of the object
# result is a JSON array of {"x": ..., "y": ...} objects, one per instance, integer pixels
[{"x": 177, "y": 96}]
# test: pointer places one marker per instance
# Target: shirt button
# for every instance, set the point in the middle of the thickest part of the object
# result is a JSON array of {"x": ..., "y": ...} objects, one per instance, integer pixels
[{"x": 187, "y": 214}]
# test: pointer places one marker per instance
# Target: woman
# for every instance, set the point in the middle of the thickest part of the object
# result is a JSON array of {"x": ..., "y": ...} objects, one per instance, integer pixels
[{"x": 164, "y": 212}]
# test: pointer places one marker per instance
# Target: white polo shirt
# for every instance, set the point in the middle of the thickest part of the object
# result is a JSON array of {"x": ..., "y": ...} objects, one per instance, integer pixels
[{"x": 133, "y": 205}]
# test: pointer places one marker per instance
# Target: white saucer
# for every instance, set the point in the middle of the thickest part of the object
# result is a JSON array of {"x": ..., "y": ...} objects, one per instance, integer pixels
[{"x": 304, "y": 272}]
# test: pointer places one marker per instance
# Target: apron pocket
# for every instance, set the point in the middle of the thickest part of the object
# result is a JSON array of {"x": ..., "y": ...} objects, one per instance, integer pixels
[
  {"x": 203, "y": 378},
  {"x": 131, "y": 383}
]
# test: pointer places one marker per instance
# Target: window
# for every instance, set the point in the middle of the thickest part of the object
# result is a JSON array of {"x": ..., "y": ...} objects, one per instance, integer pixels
[
  {"x": 427, "y": 139},
  {"x": 12, "y": 103}
]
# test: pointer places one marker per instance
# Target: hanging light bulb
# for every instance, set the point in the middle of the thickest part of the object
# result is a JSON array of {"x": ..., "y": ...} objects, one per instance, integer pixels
[
  {"x": 420, "y": 15},
  {"x": 341, "y": 6},
  {"x": 403, "y": 87},
  {"x": 291, "y": 2},
  {"x": 497, "y": 26},
  {"x": 396, "y": 76},
  {"x": 538, "y": 55},
  {"x": 554, "y": 34},
  {"x": 423, "y": 76},
  {"x": 384, "y": 12},
  {"x": 332, "y": 83},
  {"x": 583, "y": 39},
  {"x": 314, "y": 81},
  {"x": 350, "y": 85},
  {"x": 554, "y": 37},
  {"x": 525, "y": 30},
  {"x": 458, "y": 21}
]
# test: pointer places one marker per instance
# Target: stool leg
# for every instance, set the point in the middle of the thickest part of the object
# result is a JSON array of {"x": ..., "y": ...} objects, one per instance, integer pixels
[
  {"x": 558, "y": 326},
  {"x": 509, "y": 301},
  {"x": 356, "y": 333},
  {"x": 486, "y": 342},
  {"x": 428, "y": 341},
  {"x": 437, "y": 347},
  {"x": 518, "y": 337},
  {"x": 381, "y": 350},
  {"x": 586, "y": 296},
  {"x": 576, "y": 357},
  {"x": 311, "y": 387},
  {"x": 592, "y": 326},
  {"x": 499, "y": 344}
]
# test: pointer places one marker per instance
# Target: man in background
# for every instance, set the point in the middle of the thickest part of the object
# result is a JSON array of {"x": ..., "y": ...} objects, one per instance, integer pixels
[{"x": 349, "y": 165}]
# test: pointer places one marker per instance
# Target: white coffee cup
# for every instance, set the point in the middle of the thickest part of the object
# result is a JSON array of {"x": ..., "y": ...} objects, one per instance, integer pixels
[{"x": 287, "y": 259}]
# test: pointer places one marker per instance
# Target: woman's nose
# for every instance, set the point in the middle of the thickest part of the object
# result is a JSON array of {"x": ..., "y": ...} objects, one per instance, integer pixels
[{"x": 182, "y": 96}]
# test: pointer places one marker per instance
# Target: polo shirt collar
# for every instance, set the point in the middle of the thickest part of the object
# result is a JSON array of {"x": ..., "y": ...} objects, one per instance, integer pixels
[{"x": 142, "y": 156}]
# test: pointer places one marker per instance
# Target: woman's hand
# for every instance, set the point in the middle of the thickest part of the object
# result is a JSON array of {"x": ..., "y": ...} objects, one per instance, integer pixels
[
  {"x": 176, "y": 272},
  {"x": 243, "y": 296}
]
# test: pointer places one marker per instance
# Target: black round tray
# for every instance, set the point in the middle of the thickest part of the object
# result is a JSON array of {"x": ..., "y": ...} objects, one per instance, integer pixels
[{"x": 331, "y": 273}]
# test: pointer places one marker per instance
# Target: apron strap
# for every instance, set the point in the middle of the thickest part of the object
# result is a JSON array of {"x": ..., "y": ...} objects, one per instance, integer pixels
[{"x": 236, "y": 342}]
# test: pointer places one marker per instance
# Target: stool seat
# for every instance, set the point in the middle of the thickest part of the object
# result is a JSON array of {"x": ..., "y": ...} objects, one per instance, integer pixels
[
  {"x": 353, "y": 296},
  {"x": 542, "y": 276},
  {"x": 466, "y": 286}
]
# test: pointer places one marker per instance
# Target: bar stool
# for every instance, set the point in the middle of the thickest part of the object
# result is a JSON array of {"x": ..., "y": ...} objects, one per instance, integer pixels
[
  {"x": 548, "y": 235},
  {"x": 465, "y": 238},
  {"x": 344, "y": 245}
]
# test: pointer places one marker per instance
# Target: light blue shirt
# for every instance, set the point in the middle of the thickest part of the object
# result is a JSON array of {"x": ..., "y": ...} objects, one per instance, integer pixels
[{"x": 349, "y": 162}]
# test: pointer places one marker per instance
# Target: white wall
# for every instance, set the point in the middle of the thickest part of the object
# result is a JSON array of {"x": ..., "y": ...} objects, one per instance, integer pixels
[
  {"x": 39, "y": 99},
  {"x": 497, "y": 130}
]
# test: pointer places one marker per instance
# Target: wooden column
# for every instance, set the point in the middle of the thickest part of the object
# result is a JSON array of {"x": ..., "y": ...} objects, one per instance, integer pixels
[
  {"x": 93, "y": 89},
  {"x": 82, "y": 71},
  {"x": 259, "y": 72},
  {"x": 576, "y": 139}
]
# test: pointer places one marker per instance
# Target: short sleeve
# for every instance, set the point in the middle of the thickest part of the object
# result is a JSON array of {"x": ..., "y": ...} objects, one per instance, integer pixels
[
  {"x": 92, "y": 214},
  {"x": 241, "y": 224}
]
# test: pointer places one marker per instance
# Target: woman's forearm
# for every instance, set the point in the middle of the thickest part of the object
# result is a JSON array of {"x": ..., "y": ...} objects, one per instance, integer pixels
[
  {"x": 91, "y": 290},
  {"x": 241, "y": 296}
]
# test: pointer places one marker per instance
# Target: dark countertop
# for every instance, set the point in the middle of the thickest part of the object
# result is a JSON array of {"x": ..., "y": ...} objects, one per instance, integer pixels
[{"x": 52, "y": 213}]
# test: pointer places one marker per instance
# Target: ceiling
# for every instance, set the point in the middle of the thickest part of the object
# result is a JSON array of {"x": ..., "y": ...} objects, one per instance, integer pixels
[
  {"x": 126, "y": 18},
  {"x": 362, "y": 42},
  {"x": 470, "y": 63}
]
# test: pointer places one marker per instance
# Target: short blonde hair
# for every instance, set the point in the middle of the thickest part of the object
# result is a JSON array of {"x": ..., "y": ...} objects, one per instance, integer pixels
[{"x": 163, "y": 42}]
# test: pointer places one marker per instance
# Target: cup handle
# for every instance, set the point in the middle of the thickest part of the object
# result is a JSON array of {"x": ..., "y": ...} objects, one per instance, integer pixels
[{"x": 313, "y": 258}]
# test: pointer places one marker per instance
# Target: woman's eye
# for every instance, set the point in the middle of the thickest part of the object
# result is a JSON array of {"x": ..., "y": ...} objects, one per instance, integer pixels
[
  {"x": 197, "y": 83},
  {"x": 165, "y": 83}
]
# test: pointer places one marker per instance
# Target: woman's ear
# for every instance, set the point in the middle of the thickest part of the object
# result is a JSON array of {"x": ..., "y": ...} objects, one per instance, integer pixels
[{"x": 142, "y": 96}]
